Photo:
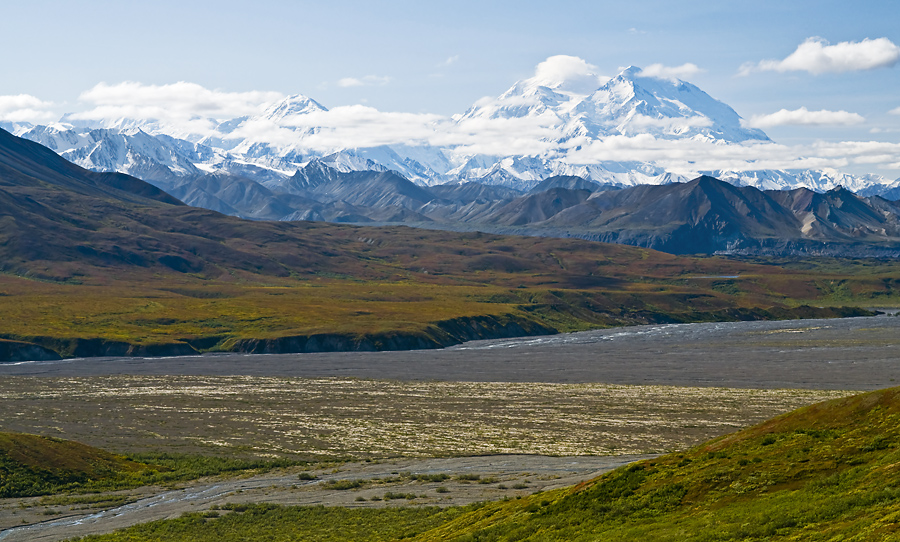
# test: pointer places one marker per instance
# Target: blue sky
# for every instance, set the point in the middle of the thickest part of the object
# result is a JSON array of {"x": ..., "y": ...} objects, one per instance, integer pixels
[{"x": 440, "y": 57}]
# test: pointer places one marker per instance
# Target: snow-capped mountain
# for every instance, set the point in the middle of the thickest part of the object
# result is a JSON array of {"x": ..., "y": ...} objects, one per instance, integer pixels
[
  {"x": 15, "y": 128},
  {"x": 129, "y": 151},
  {"x": 816, "y": 180},
  {"x": 628, "y": 104},
  {"x": 557, "y": 114}
]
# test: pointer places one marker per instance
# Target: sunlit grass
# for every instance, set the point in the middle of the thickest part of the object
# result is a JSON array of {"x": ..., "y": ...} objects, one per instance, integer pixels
[
  {"x": 217, "y": 315},
  {"x": 825, "y": 472}
]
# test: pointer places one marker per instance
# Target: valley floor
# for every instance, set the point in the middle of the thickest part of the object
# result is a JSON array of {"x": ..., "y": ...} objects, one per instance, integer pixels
[
  {"x": 434, "y": 412},
  {"x": 388, "y": 483}
]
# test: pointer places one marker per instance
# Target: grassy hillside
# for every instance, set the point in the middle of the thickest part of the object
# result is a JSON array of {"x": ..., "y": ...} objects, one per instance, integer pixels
[
  {"x": 33, "y": 465},
  {"x": 830, "y": 471},
  {"x": 240, "y": 523},
  {"x": 824, "y": 472}
]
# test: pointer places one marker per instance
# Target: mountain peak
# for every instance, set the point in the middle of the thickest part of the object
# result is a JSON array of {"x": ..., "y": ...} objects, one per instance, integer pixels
[
  {"x": 295, "y": 104},
  {"x": 631, "y": 104},
  {"x": 630, "y": 72},
  {"x": 707, "y": 179}
]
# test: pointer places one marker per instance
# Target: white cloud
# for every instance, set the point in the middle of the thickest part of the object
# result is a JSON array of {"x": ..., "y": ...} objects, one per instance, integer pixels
[
  {"x": 451, "y": 60},
  {"x": 25, "y": 108},
  {"x": 691, "y": 156},
  {"x": 804, "y": 117},
  {"x": 816, "y": 56},
  {"x": 895, "y": 111},
  {"x": 568, "y": 73},
  {"x": 183, "y": 107},
  {"x": 354, "y": 126},
  {"x": 659, "y": 71},
  {"x": 669, "y": 125},
  {"x": 349, "y": 82},
  {"x": 367, "y": 81},
  {"x": 359, "y": 126},
  {"x": 499, "y": 136}
]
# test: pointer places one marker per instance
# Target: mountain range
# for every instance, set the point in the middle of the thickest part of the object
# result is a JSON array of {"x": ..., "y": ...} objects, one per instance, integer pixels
[
  {"x": 452, "y": 188},
  {"x": 705, "y": 215},
  {"x": 565, "y": 114}
]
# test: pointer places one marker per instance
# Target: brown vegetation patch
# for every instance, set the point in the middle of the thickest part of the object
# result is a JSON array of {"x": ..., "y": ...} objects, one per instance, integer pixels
[{"x": 335, "y": 418}]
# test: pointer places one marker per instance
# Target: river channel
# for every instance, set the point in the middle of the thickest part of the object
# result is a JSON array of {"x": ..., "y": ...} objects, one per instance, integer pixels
[{"x": 848, "y": 353}]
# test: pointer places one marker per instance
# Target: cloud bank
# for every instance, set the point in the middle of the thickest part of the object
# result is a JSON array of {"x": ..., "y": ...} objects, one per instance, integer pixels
[
  {"x": 25, "y": 108},
  {"x": 691, "y": 156},
  {"x": 816, "y": 56},
  {"x": 804, "y": 117},
  {"x": 183, "y": 108}
]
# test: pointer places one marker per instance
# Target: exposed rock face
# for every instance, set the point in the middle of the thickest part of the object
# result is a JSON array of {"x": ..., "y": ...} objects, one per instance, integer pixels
[
  {"x": 11, "y": 351},
  {"x": 439, "y": 335}
]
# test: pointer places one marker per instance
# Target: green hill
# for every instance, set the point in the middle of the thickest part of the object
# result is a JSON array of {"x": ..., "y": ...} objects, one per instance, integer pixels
[
  {"x": 32, "y": 465},
  {"x": 830, "y": 471}
]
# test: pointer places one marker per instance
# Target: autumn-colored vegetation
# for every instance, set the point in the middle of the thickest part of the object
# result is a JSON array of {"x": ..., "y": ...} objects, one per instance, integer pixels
[{"x": 410, "y": 283}]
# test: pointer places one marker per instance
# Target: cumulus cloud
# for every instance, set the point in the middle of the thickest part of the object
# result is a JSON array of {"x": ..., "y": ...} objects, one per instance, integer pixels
[
  {"x": 25, "y": 108},
  {"x": 182, "y": 98},
  {"x": 367, "y": 81},
  {"x": 361, "y": 126},
  {"x": 804, "y": 117},
  {"x": 895, "y": 111},
  {"x": 816, "y": 56},
  {"x": 568, "y": 73},
  {"x": 529, "y": 136},
  {"x": 183, "y": 107},
  {"x": 691, "y": 156},
  {"x": 669, "y": 125},
  {"x": 659, "y": 71}
]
